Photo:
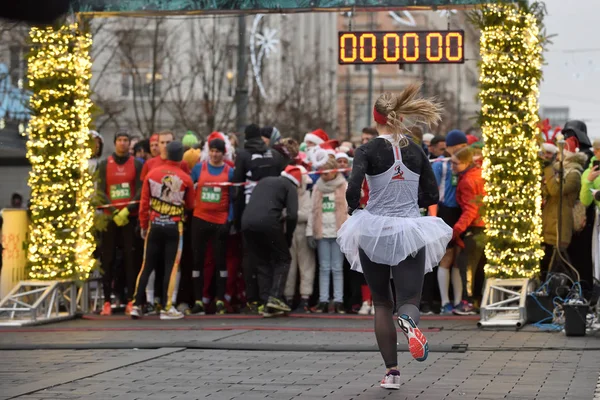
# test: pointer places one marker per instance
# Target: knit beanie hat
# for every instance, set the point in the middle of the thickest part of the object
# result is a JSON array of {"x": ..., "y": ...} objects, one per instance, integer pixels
[
  {"x": 122, "y": 133},
  {"x": 455, "y": 137},
  {"x": 217, "y": 144},
  {"x": 189, "y": 139},
  {"x": 252, "y": 131},
  {"x": 271, "y": 133},
  {"x": 175, "y": 151}
]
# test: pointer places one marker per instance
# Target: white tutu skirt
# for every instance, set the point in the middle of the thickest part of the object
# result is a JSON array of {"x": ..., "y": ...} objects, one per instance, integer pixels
[{"x": 389, "y": 240}]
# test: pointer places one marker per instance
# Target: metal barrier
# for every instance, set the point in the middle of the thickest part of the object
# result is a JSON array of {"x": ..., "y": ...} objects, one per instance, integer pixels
[
  {"x": 503, "y": 303},
  {"x": 39, "y": 302}
]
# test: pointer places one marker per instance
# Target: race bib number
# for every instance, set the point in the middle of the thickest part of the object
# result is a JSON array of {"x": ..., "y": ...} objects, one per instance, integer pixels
[
  {"x": 121, "y": 191},
  {"x": 454, "y": 180},
  {"x": 328, "y": 204},
  {"x": 211, "y": 194}
]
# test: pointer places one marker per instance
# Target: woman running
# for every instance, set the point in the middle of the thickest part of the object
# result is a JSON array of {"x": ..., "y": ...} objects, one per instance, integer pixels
[{"x": 389, "y": 238}]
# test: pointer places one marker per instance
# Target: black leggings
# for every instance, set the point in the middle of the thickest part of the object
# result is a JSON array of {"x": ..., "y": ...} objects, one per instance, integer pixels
[
  {"x": 202, "y": 234},
  {"x": 408, "y": 278}
]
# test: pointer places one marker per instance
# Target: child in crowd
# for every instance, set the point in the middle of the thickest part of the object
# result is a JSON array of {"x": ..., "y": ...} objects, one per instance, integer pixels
[{"x": 329, "y": 212}]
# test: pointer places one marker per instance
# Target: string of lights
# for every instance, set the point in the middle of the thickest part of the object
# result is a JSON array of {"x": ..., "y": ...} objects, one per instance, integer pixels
[
  {"x": 511, "y": 62},
  {"x": 61, "y": 241}
]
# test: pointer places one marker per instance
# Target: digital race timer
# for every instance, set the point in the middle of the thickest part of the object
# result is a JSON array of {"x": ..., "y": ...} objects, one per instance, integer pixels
[{"x": 418, "y": 47}]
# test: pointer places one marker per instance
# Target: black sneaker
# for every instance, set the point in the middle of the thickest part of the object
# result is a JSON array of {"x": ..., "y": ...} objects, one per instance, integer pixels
[
  {"x": 302, "y": 308},
  {"x": 278, "y": 304},
  {"x": 197, "y": 309},
  {"x": 220, "y": 307},
  {"x": 149, "y": 309},
  {"x": 323, "y": 307},
  {"x": 339, "y": 308},
  {"x": 269, "y": 312},
  {"x": 426, "y": 309}
]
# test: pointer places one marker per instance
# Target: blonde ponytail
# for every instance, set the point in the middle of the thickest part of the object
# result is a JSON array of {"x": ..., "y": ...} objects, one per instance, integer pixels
[{"x": 406, "y": 110}]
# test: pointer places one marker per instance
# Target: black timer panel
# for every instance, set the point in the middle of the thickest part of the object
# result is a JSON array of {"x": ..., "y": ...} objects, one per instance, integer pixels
[{"x": 418, "y": 47}]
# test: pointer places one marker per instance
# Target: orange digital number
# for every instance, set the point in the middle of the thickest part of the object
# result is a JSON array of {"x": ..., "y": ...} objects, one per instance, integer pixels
[
  {"x": 343, "y": 40},
  {"x": 440, "y": 53},
  {"x": 407, "y": 36},
  {"x": 459, "y": 53},
  {"x": 373, "y": 56},
  {"x": 386, "y": 51}
]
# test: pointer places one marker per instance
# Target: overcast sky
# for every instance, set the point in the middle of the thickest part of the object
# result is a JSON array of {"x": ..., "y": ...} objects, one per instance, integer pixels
[{"x": 572, "y": 73}]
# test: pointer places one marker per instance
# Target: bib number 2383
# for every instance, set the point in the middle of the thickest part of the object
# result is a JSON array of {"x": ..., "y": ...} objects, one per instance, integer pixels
[
  {"x": 328, "y": 205},
  {"x": 120, "y": 192},
  {"x": 211, "y": 194}
]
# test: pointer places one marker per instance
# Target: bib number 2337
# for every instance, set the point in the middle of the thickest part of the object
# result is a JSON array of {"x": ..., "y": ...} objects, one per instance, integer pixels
[{"x": 211, "y": 194}]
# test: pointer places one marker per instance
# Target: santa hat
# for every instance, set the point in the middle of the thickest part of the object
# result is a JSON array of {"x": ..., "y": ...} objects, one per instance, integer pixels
[
  {"x": 228, "y": 147},
  {"x": 472, "y": 139},
  {"x": 319, "y": 157},
  {"x": 330, "y": 146},
  {"x": 550, "y": 148},
  {"x": 341, "y": 155},
  {"x": 572, "y": 145},
  {"x": 293, "y": 173},
  {"x": 154, "y": 138},
  {"x": 317, "y": 136},
  {"x": 427, "y": 137}
]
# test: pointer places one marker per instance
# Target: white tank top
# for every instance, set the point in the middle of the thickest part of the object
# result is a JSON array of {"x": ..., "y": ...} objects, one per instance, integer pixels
[{"x": 395, "y": 192}]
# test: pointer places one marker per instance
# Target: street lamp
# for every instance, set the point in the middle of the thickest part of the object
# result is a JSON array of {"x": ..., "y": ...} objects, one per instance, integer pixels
[{"x": 230, "y": 75}]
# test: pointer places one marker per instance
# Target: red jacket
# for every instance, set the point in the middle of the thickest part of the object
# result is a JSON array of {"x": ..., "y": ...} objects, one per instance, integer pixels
[
  {"x": 156, "y": 162},
  {"x": 469, "y": 195},
  {"x": 166, "y": 194}
]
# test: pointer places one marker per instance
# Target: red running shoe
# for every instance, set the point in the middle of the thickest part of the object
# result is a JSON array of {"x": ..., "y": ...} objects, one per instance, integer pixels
[
  {"x": 417, "y": 342},
  {"x": 106, "y": 310}
]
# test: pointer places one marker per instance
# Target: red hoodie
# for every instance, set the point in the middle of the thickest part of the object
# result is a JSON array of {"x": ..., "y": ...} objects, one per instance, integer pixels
[
  {"x": 166, "y": 193},
  {"x": 469, "y": 195},
  {"x": 157, "y": 162}
]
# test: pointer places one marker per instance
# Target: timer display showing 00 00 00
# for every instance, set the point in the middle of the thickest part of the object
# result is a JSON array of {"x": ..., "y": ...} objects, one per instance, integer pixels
[{"x": 418, "y": 47}]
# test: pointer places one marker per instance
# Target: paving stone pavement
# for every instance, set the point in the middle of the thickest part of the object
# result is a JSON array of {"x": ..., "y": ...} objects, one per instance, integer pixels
[
  {"x": 518, "y": 365},
  {"x": 217, "y": 374}
]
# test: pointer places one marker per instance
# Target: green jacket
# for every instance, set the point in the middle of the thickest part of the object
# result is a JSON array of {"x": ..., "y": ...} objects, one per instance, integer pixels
[{"x": 585, "y": 194}]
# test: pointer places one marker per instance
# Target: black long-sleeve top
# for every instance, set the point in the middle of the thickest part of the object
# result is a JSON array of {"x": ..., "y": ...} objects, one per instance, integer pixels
[{"x": 377, "y": 156}]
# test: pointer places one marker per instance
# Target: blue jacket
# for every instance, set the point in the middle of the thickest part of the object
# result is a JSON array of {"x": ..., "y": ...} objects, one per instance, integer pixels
[{"x": 444, "y": 177}]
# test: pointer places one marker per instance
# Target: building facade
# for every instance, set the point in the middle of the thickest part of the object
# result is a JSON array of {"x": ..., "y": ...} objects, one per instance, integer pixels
[{"x": 455, "y": 85}]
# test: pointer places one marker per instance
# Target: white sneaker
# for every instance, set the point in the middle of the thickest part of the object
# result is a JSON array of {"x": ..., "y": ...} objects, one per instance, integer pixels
[
  {"x": 391, "y": 380},
  {"x": 136, "y": 312},
  {"x": 171, "y": 314},
  {"x": 365, "y": 309}
]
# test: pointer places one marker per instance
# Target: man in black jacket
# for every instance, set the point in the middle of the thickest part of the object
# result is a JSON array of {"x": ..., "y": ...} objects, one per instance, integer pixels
[
  {"x": 253, "y": 163},
  {"x": 266, "y": 244}
]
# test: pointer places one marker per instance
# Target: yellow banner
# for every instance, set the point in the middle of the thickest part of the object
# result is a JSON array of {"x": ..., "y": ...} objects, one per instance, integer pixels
[{"x": 14, "y": 257}]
